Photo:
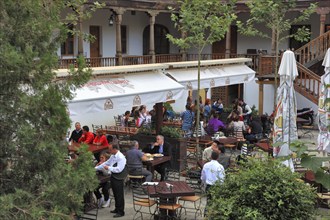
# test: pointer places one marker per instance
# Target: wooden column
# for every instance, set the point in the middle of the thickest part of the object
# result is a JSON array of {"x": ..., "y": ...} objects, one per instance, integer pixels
[
  {"x": 152, "y": 35},
  {"x": 159, "y": 117},
  {"x": 227, "y": 53},
  {"x": 119, "y": 18},
  {"x": 261, "y": 98},
  {"x": 183, "y": 51},
  {"x": 323, "y": 14}
]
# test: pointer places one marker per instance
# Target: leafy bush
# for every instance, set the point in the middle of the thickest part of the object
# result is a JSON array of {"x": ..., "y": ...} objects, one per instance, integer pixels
[
  {"x": 171, "y": 132},
  {"x": 262, "y": 190}
]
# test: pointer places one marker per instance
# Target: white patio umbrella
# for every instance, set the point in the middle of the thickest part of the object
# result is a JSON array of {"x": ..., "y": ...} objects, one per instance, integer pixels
[
  {"x": 324, "y": 107},
  {"x": 285, "y": 127}
]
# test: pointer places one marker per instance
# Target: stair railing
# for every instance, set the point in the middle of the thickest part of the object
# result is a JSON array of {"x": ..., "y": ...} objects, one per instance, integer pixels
[
  {"x": 308, "y": 83},
  {"x": 313, "y": 50}
]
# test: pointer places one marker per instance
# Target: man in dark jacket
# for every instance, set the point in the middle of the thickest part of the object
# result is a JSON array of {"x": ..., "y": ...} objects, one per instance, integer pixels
[
  {"x": 161, "y": 147},
  {"x": 76, "y": 134}
]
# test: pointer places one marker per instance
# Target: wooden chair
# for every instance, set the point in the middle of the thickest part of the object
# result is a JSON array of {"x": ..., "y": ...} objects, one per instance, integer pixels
[
  {"x": 95, "y": 127},
  {"x": 194, "y": 182},
  {"x": 168, "y": 208},
  {"x": 135, "y": 178},
  {"x": 142, "y": 202},
  {"x": 172, "y": 175}
]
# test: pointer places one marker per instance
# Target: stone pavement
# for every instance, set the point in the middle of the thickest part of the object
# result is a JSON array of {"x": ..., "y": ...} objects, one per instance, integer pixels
[{"x": 104, "y": 213}]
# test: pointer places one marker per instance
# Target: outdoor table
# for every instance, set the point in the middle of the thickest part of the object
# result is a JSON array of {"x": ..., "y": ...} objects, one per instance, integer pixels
[
  {"x": 156, "y": 161},
  {"x": 265, "y": 147},
  {"x": 102, "y": 178},
  {"x": 91, "y": 147},
  {"x": 166, "y": 195},
  {"x": 227, "y": 140}
]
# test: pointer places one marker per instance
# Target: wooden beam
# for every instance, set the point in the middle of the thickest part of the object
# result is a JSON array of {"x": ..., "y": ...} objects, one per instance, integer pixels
[{"x": 261, "y": 98}]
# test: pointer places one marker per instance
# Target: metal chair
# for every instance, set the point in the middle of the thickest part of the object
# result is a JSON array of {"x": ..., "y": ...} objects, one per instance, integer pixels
[
  {"x": 172, "y": 175},
  {"x": 90, "y": 207},
  {"x": 95, "y": 127},
  {"x": 168, "y": 208},
  {"x": 194, "y": 181},
  {"x": 142, "y": 202}
]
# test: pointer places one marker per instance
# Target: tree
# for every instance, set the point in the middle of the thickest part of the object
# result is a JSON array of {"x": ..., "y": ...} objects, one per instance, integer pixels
[
  {"x": 262, "y": 190},
  {"x": 202, "y": 22},
  {"x": 35, "y": 181},
  {"x": 273, "y": 14}
]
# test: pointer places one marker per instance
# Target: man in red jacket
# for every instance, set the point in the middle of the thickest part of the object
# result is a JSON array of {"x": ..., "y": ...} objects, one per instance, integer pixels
[{"x": 87, "y": 137}]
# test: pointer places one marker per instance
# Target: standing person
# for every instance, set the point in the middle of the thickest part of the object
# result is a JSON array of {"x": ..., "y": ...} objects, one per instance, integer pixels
[
  {"x": 207, "y": 110},
  {"x": 105, "y": 186},
  {"x": 212, "y": 172},
  {"x": 187, "y": 121},
  {"x": 134, "y": 162},
  {"x": 87, "y": 137},
  {"x": 161, "y": 147},
  {"x": 218, "y": 106},
  {"x": 76, "y": 134},
  {"x": 116, "y": 166},
  {"x": 247, "y": 112},
  {"x": 124, "y": 119}
]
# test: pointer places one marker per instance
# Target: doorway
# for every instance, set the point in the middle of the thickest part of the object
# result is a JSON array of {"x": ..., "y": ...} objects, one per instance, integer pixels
[{"x": 95, "y": 60}]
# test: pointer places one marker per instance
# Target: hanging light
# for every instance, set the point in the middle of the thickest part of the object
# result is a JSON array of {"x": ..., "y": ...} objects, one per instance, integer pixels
[{"x": 111, "y": 19}]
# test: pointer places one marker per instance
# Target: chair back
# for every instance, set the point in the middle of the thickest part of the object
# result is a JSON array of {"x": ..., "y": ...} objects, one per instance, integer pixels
[{"x": 172, "y": 174}]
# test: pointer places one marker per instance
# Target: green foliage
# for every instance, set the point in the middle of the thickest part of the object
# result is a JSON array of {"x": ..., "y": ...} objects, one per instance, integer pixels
[
  {"x": 254, "y": 111},
  {"x": 273, "y": 15},
  {"x": 35, "y": 181},
  {"x": 171, "y": 132},
  {"x": 311, "y": 162},
  {"x": 203, "y": 22},
  {"x": 262, "y": 190},
  {"x": 168, "y": 106},
  {"x": 145, "y": 130}
]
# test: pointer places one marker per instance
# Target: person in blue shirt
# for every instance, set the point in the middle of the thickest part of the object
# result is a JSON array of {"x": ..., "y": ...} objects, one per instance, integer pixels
[{"x": 187, "y": 121}]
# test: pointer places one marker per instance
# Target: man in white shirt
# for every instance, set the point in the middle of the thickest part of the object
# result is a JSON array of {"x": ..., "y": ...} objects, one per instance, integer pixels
[
  {"x": 116, "y": 166},
  {"x": 212, "y": 172}
]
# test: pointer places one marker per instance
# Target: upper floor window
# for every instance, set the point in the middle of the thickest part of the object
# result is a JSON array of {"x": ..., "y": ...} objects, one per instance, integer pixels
[
  {"x": 162, "y": 45},
  {"x": 124, "y": 39},
  {"x": 67, "y": 46}
]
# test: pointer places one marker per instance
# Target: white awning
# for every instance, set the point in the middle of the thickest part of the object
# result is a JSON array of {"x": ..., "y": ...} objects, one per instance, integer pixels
[
  {"x": 213, "y": 76},
  {"x": 124, "y": 91}
]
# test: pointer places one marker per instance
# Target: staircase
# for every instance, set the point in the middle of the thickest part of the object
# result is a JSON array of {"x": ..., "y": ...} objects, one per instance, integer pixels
[{"x": 308, "y": 83}]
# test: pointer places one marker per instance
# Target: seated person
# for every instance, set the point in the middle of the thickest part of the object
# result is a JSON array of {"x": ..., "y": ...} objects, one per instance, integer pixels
[
  {"x": 214, "y": 124},
  {"x": 134, "y": 159},
  {"x": 161, "y": 147},
  {"x": 223, "y": 159},
  {"x": 238, "y": 127},
  {"x": 100, "y": 138},
  {"x": 76, "y": 134},
  {"x": 105, "y": 186},
  {"x": 255, "y": 130},
  {"x": 87, "y": 137}
]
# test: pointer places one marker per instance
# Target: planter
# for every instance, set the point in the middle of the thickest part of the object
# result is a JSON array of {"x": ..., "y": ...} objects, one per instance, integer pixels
[{"x": 179, "y": 148}]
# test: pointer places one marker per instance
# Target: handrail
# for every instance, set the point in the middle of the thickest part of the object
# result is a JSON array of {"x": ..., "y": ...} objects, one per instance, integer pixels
[
  {"x": 307, "y": 83},
  {"x": 147, "y": 59},
  {"x": 313, "y": 50}
]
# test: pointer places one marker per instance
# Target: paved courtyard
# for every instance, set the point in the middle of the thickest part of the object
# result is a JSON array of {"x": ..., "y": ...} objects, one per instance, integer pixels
[{"x": 104, "y": 213}]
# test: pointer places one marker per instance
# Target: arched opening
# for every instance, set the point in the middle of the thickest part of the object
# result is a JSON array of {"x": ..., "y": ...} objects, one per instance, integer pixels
[{"x": 162, "y": 45}]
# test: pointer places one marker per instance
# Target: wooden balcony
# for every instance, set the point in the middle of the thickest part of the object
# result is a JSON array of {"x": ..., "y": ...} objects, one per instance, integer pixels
[{"x": 161, "y": 58}]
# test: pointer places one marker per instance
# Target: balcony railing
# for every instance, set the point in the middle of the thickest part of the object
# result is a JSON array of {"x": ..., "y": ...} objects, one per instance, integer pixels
[{"x": 160, "y": 58}]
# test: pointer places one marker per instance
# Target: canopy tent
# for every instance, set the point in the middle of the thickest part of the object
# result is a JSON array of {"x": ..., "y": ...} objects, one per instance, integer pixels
[
  {"x": 124, "y": 91},
  {"x": 213, "y": 76}
]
